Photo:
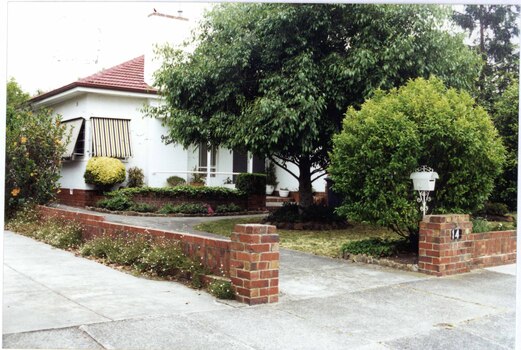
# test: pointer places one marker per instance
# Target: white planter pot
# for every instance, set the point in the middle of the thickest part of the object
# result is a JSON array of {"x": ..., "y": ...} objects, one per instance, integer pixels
[
  {"x": 270, "y": 189},
  {"x": 283, "y": 193},
  {"x": 230, "y": 186}
]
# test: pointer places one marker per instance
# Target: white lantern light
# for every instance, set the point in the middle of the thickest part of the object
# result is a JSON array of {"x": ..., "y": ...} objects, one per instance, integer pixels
[{"x": 424, "y": 180}]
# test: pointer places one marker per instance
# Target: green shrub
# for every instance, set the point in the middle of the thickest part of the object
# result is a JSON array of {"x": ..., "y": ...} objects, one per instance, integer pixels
[
  {"x": 228, "y": 208},
  {"x": 221, "y": 289},
  {"x": 251, "y": 183},
  {"x": 175, "y": 181},
  {"x": 123, "y": 250},
  {"x": 104, "y": 172},
  {"x": 480, "y": 225},
  {"x": 166, "y": 209},
  {"x": 143, "y": 208},
  {"x": 136, "y": 178},
  {"x": 34, "y": 145},
  {"x": 118, "y": 202},
  {"x": 376, "y": 247},
  {"x": 291, "y": 212},
  {"x": 188, "y": 192},
  {"x": 271, "y": 176},
  {"x": 421, "y": 123},
  {"x": 190, "y": 208},
  {"x": 496, "y": 209}
]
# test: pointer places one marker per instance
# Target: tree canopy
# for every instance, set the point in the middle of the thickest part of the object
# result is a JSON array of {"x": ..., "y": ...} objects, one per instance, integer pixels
[{"x": 276, "y": 79}]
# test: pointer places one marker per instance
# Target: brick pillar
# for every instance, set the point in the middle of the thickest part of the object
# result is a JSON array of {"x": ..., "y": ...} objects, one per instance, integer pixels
[
  {"x": 439, "y": 254},
  {"x": 254, "y": 263}
]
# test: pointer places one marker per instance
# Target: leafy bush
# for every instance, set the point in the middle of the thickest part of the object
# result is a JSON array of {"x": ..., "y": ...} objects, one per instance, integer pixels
[
  {"x": 124, "y": 250},
  {"x": 116, "y": 202},
  {"x": 203, "y": 193},
  {"x": 291, "y": 212},
  {"x": 166, "y": 209},
  {"x": 271, "y": 176},
  {"x": 480, "y": 225},
  {"x": 228, "y": 208},
  {"x": 104, "y": 172},
  {"x": 190, "y": 208},
  {"x": 221, "y": 289},
  {"x": 136, "y": 178},
  {"x": 143, "y": 208},
  {"x": 251, "y": 183},
  {"x": 175, "y": 181},
  {"x": 33, "y": 151},
  {"x": 376, "y": 247},
  {"x": 496, "y": 209},
  {"x": 393, "y": 133}
]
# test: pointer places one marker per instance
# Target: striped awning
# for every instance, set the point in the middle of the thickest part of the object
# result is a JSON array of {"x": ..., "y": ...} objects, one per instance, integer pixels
[
  {"x": 73, "y": 128},
  {"x": 111, "y": 138}
]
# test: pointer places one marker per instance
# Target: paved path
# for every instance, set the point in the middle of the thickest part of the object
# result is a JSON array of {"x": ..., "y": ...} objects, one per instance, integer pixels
[{"x": 53, "y": 299}]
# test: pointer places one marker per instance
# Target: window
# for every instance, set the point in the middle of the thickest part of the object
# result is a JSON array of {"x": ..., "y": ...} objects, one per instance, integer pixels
[
  {"x": 111, "y": 138},
  {"x": 203, "y": 159},
  {"x": 76, "y": 144}
]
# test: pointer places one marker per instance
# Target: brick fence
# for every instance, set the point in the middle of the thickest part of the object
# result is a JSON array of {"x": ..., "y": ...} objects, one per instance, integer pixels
[
  {"x": 250, "y": 257},
  {"x": 445, "y": 250}
]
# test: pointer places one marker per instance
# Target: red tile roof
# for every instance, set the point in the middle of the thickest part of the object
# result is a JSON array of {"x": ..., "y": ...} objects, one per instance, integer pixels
[{"x": 127, "y": 76}]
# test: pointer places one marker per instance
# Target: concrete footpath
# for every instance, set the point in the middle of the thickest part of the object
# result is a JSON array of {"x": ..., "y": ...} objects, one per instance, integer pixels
[{"x": 53, "y": 299}]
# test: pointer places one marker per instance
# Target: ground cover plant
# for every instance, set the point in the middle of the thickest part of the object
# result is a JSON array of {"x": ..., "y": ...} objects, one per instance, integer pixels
[
  {"x": 140, "y": 254},
  {"x": 376, "y": 247},
  {"x": 324, "y": 242}
]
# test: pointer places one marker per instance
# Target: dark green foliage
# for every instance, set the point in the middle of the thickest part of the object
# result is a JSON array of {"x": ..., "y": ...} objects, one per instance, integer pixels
[
  {"x": 118, "y": 201},
  {"x": 496, "y": 209},
  {"x": 174, "y": 181},
  {"x": 143, "y": 208},
  {"x": 271, "y": 176},
  {"x": 203, "y": 193},
  {"x": 376, "y": 247},
  {"x": 276, "y": 79},
  {"x": 228, "y": 208},
  {"x": 480, "y": 225},
  {"x": 293, "y": 213},
  {"x": 185, "y": 208},
  {"x": 506, "y": 119},
  {"x": 33, "y": 151},
  {"x": 251, "y": 183},
  {"x": 136, "y": 177},
  {"x": 221, "y": 290},
  {"x": 495, "y": 33},
  {"x": 422, "y": 123}
]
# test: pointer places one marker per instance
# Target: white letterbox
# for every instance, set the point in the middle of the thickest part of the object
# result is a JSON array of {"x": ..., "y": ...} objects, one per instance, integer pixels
[{"x": 424, "y": 180}]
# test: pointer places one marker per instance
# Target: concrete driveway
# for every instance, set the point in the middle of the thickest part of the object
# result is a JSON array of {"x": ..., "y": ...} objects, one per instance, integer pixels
[{"x": 53, "y": 299}]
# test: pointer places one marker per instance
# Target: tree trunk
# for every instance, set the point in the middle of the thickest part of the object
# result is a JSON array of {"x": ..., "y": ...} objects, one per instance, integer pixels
[{"x": 304, "y": 183}]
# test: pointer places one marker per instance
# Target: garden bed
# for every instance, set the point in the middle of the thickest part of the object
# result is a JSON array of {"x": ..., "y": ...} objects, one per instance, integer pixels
[
  {"x": 402, "y": 261},
  {"x": 136, "y": 213}
]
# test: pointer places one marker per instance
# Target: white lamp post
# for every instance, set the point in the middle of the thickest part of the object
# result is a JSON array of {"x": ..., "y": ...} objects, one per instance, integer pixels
[{"x": 423, "y": 180}]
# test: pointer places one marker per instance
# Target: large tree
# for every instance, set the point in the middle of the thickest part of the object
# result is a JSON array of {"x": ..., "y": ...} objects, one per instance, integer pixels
[
  {"x": 494, "y": 31},
  {"x": 276, "y": 79}
]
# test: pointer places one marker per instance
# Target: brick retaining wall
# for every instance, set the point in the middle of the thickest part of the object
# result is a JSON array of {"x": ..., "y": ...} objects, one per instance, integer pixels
[
  {"x": 440, "y": 254},
  {"x": 245, "y": 251}
]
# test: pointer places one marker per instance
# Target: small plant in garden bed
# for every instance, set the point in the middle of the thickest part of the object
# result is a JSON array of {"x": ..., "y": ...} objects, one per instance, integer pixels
[
  {"x": 376, "y": 247},
  {"x": 118, "y": 201},
  {"x": 136, "y": 178},
  {"x": 184, "y": 208},
  {"x": 174, "y": 181},
  {"x": 483, "y": 225},
  {"x": 206, "y": 193},
  {"x": 55, "y": 231},
  {"x": 221, "y": 289},
  {"x": 143, "y": 208},
  {"x": 228, "y": 208}
]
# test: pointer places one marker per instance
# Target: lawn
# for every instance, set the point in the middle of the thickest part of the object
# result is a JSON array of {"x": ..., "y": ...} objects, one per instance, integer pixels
[{"x": 325, "y": 243}]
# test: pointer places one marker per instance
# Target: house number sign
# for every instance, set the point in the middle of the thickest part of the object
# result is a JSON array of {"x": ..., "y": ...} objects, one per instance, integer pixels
[{"x": 455, "y": 233}]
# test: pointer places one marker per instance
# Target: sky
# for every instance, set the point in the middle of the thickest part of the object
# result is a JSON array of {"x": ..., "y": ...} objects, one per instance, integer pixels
[{"x": 51, "y": 44}]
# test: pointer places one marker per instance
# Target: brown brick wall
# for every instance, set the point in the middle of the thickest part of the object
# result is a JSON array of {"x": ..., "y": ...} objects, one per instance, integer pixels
[
  {"x": 250, "y": 258},
  {"x": 440, "y": 255},
  {"x": 78, "y": 198}
]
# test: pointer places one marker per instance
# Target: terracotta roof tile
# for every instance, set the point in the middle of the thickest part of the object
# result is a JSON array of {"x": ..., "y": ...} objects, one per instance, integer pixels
[{"x": 127, "y": 76}]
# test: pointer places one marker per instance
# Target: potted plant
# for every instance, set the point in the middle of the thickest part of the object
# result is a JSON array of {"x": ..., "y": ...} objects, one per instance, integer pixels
[
  {"x": 283, "y": 192},
  {"x": 228, "y": 183},
  {"x": 197, "y": 179},
  {"x": 271, "y": 179}
]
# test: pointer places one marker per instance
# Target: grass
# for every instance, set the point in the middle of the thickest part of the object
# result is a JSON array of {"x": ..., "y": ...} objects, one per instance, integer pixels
[{"x": 325, "y": 243}]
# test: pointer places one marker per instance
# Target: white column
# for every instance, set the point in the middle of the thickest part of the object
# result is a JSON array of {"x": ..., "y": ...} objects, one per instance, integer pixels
[
  {"x": 208, "y": 165},
  {"x": 250, "y": 163}
]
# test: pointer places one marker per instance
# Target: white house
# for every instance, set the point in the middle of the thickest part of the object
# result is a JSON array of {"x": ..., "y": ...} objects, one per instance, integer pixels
[{"x": 104, "y": 112}]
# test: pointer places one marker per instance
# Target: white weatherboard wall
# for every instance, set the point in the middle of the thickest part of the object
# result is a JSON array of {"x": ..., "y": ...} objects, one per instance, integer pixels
[{"x": 149, "y": 152}]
